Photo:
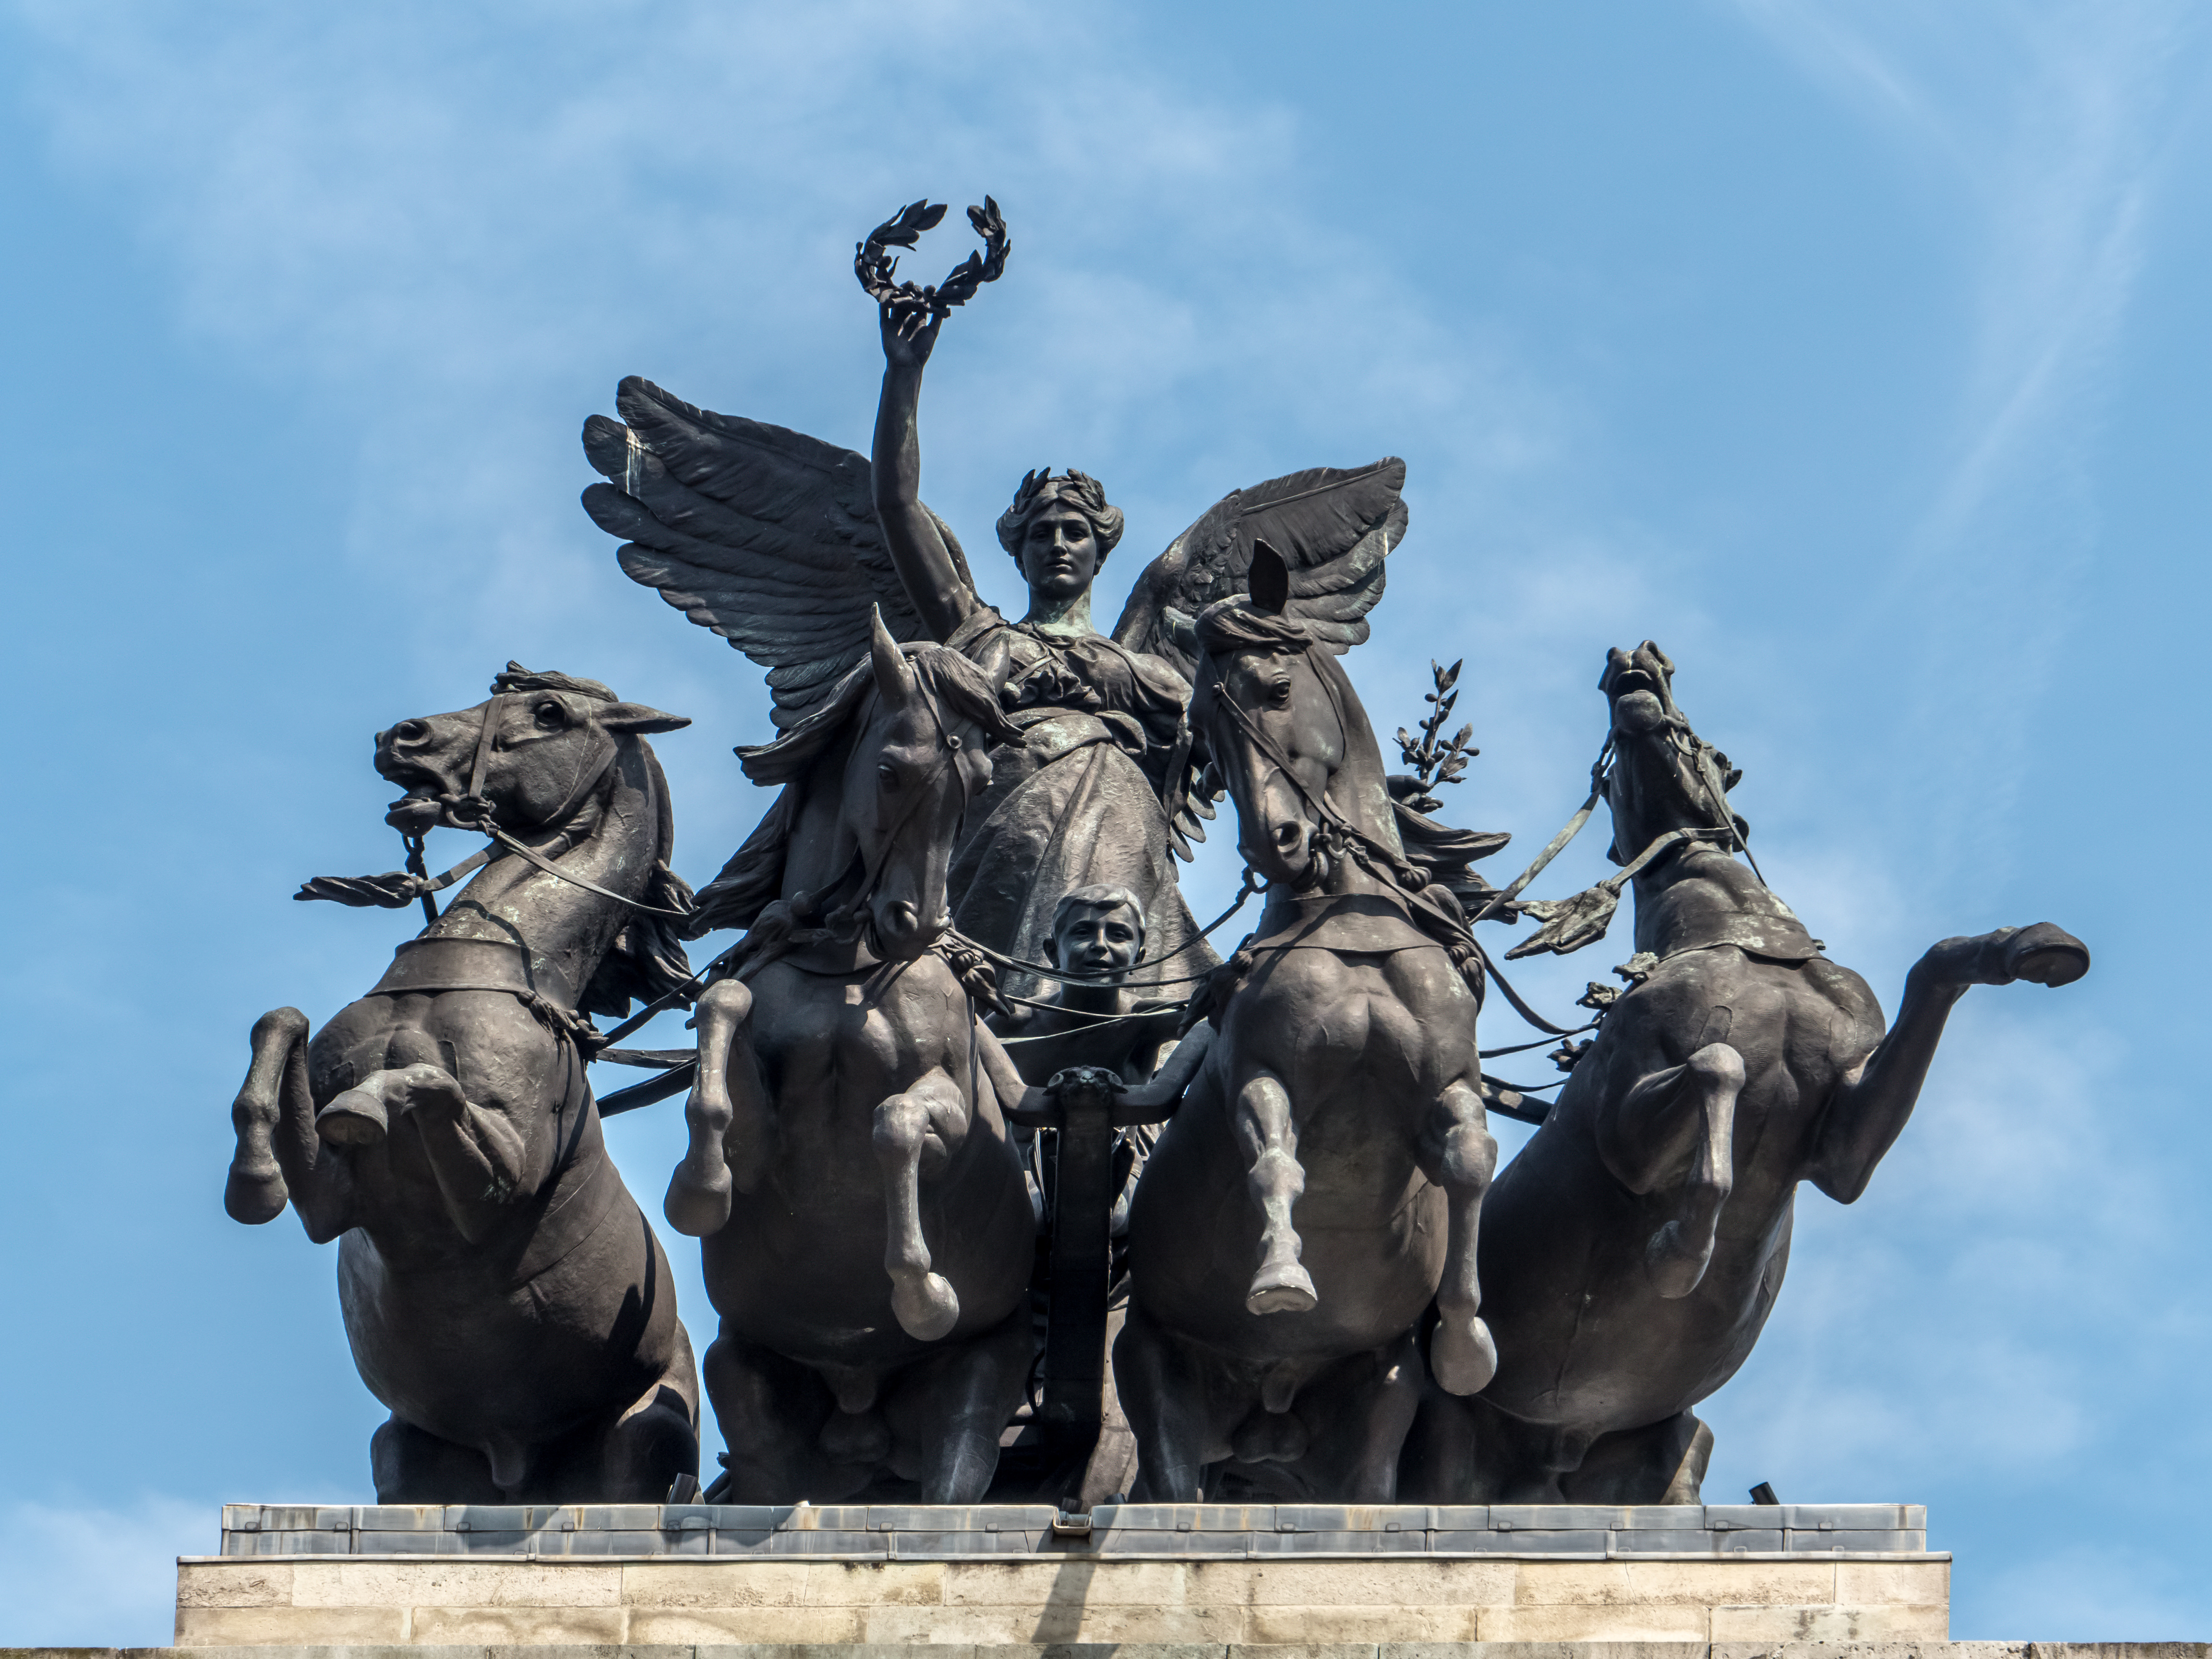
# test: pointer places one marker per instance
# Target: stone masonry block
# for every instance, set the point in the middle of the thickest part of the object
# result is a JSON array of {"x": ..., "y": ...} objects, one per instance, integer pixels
[
  {"x": 1912, "y": 1583},
  {"x": 675, "y": 1583},
  {"x": 1560, "y": 1623},
  {"x": 461, "y": 1582},
  {"x": 858, "y": 1584},
  {"x": 1889, "y": 1622},
  {"x": 732, "y": 1630},
  {"x": 1144, "y": 1583},
  {"x": 506, "y": 1626},
  {"x": 1056, "y": 1622},
  {"x": 1383, "y": 1584},
  {"x": 246, "y": 1583},
  {"x": 1343, "y": 1626},
  {"x": 222, "y": 1627}
]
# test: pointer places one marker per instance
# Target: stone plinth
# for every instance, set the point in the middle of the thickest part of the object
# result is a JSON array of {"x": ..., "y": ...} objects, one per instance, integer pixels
[{"x": 1215, "y": 1576}]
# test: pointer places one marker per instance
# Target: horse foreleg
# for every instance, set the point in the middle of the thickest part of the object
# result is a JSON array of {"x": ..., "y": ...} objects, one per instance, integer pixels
[
  {"x": 1877, "y": 1094},
  {"x": 1462, "y": 1156},
  {"x": 1683, "y": 1115},
  {"x": 921, "y": 1125},
  {"x": 279, "y": 1156},
  {"x": 255, "y": 1191},
  {"x": 479, "y": 1160},
  {"x": 726, "y": 1150},
  {"x": 1268, "y": 1132}
]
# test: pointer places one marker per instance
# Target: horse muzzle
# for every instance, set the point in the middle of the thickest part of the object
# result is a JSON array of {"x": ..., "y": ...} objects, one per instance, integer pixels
[
  {"x": 407, "y": 754},
  {"x": 1638, "y": 713},
  {"x": 1289, "y": 853}
]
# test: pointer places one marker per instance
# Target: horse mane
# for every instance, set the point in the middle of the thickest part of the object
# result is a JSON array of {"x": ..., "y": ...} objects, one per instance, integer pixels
[
  {"x": 753, "y": 877},
  {"x": 646, "y": 958}
]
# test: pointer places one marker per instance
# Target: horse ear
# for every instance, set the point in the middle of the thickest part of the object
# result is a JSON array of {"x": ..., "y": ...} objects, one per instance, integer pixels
[
  {"x": 1270, "y": 579},
  {"x": 893, "y": 678},
  {"x": 634, "y": 718}
]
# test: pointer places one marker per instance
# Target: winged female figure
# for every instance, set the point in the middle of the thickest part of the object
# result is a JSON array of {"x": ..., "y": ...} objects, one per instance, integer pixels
[{"x": 782, "y": 544}]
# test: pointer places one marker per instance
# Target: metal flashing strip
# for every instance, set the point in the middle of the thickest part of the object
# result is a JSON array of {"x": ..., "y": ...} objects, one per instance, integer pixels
[{"x": 1125, "y": 1531}]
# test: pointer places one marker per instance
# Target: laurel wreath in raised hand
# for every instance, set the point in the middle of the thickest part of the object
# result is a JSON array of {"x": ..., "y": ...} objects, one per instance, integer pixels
[{"x": 876, "y": 268}]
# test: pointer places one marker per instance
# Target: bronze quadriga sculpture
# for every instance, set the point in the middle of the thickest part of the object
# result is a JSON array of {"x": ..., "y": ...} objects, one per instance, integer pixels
[
  {"x": 501, "y": 1290},
  {"x": 1330, "y": 1299},
  {"x": 1632, "y": 1250}
]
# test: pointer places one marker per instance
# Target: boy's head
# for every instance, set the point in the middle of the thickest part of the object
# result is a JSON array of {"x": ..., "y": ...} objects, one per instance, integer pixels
[{"x": 1097, "y": 931}]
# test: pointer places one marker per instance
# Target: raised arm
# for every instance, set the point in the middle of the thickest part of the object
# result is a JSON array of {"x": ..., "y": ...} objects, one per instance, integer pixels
[{"x": 925, "y": 564}]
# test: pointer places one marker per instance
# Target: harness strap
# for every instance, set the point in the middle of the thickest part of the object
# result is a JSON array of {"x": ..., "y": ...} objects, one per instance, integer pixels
[
  {"x": 531, "y": 855},
  {"x": 1520, "y": 1007},
  {"x": 1557, "y": 844}
]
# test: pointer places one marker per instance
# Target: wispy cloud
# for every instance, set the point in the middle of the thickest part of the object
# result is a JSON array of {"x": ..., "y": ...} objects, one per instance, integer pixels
[
  {"x": 98, "y": 1575},
  {"x": 2040, "y": 131},
  {"x": 460, "y": 227}
]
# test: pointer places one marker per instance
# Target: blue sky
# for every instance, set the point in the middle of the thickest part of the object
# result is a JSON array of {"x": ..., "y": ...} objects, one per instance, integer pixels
[{"x": 1855, "y": 352}]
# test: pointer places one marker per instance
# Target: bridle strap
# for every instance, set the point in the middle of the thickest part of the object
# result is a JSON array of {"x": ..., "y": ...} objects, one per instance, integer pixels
[
  {"x": 950, "y": 745},
  {"x": 1318, "y": 805},
  {"x": 474, "y": 812}
]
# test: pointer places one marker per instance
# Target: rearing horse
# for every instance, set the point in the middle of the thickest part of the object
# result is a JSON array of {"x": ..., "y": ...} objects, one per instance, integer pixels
[
  {"x": 868, "y": 1230},
  {"x": 502, "y": 1293},
  {"x": 1635, "y": 1246},
  {"x": 1323, "y": 1177}
]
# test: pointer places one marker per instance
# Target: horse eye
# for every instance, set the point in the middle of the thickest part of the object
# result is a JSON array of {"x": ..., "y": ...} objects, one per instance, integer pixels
[
  {"x": 550, "y": 713},
  {"x": 887, "y": 777},
  {"x": 1280, "y": 694}
]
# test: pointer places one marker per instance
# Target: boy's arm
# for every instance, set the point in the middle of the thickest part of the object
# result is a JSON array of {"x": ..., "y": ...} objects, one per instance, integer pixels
[{"x": 1155, "y": 1102}]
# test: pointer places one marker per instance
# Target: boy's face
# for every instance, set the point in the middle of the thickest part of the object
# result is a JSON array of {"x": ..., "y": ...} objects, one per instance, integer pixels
[{"x": 1100, "y": 939}]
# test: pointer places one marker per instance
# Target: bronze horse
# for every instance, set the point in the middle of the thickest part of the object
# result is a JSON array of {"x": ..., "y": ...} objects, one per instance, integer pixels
[
  {"x": 1339, "y": 1108},
  {"x": 503, "y": 1293},
  {"x": 868, "y": 1234},
  {"x": 1634, "y": 1248}
]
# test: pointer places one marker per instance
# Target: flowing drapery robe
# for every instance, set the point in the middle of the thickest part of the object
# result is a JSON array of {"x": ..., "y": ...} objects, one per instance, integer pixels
[{"x": 1078, "y": 802}]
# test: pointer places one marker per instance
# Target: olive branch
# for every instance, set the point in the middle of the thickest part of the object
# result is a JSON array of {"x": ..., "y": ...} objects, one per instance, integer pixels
[{"x": 1435, "y": 762}]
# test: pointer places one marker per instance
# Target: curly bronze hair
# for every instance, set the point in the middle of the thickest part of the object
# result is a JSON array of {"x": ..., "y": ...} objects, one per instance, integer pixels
[{"x": 1040, "y": 490}]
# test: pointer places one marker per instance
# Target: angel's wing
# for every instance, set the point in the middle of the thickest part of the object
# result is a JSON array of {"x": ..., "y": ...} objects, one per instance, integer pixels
[
  {"x": 765, "y": 535},
  {"x": 1334, "y": 525}
]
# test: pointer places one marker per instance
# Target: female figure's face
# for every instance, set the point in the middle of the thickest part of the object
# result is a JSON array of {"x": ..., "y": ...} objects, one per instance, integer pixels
[{"x": 1060, "y": 554}]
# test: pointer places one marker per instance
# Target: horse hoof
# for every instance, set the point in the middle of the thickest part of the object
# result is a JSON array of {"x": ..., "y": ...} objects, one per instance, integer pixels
[
  {"x": 355, "y": 1118},
  {"x": 927, "y": 1307},
  {"x": 2045, "y": 955},
  {"x": 1285, "y": 1288},
  {"x": 695, "y": 1207},
  {"x": 1463, "y": 1356},
  {"x": 252, "y": 1199}
]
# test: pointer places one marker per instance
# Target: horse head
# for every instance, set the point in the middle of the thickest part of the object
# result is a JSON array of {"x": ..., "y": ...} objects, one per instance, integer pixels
[
  {"x": 1663, "y": 776},
  {"x": 1289, "y": 740},
  {"x": 528, "y": 757},
  {"x": 920, "y": 754}
]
